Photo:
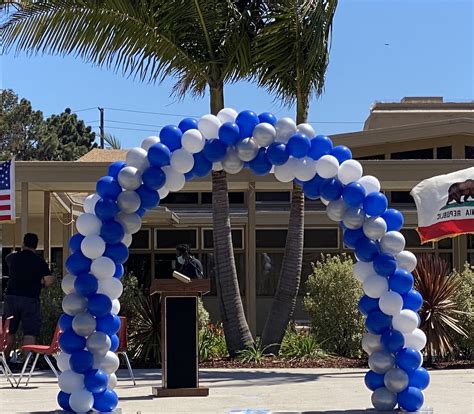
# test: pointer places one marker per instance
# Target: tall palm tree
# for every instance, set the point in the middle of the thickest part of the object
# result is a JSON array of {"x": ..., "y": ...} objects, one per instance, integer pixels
[
  {"x": 292, "y": 55},
  {"x": 201, "y": 43}
]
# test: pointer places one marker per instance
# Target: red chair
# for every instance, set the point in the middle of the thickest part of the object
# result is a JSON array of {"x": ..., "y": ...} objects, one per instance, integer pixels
[
  {"x": 45, "y": 350},
  {"x": 123, "y": 347},
  {"x": 4, "y": 334}
]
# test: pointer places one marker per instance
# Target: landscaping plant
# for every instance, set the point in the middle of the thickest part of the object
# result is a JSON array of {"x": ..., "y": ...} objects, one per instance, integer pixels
[
  {"x": 300, "y": 345},
  {"x": 211, "y": 343}
]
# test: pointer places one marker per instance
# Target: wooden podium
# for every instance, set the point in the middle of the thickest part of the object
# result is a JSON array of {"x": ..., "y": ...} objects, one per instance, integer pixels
[{"x": 179, "y": 337}]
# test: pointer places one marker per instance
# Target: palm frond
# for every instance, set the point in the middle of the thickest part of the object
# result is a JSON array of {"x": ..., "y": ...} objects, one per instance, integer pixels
[{"x": 112, "y": 141}]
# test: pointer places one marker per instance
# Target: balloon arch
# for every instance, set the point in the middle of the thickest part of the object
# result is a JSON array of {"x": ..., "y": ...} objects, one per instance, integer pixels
[{"x": 231, "y": 141}]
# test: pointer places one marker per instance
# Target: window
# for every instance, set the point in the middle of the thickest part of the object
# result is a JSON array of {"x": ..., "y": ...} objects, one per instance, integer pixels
[
  {"x": 445, "y": 243},
  {"x": 210, "y": 270},
  {"x": 139, "y": 264},
  {"x": 141, "y": 240},
  {"x": 412, "y": 240},
  {"x": 401, "y": 197},
  {"x": 268, "y": 272},
  {"x": 444, "y": 153},
  {"x": 169, "y": 239},
  {"x": 164, "y": 265},
  {"x": 469, "y": 152},
  {"x": 271, "y": 238},
  {"x": 422, "y": 154},
  {"x": 272, "y": 197},
  {"x": 470, "y": 241},
  {"x": 371, "y": 157},
  {"x": 470, "y": 249},
  {"x": 321, "y": 238},
  {"x": 234, "y": 198},
  {"x": 237, "y": 238},
  {"x": 181, "y": 198}
]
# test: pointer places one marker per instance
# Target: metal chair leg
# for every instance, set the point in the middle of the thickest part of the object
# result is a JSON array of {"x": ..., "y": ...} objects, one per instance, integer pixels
[
  {"x": 32, "y": 369},
  {"x": 51, "y": 365},
  {"x": 25, "y": 364},
  {"x": 6, "y": 370},
  {"x": 127, "y": 361}
]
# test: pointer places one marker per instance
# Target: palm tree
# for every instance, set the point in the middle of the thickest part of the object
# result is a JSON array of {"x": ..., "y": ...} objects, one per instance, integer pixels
[
  {"x": 112, "y": 141},
  {"x": 292, "y": 57},
  {"x": 201, "y": 43}
]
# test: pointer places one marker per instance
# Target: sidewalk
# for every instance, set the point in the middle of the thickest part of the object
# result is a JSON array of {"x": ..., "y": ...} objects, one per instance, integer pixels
[{"x": 324, "y": 391}]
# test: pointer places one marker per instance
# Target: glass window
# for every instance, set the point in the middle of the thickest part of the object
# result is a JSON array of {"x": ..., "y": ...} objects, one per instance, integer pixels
[
  {"x": 402, "y": 197},
  {"x": 421, "y": 154},
  {"x": 268, "y": 272},
  {"x": 471, "y": 258},
  {"x": 272, "y": 197},
  {"x": 57, "y": 259},
  {"x": 164, "y": 265},
  {"x": 169, "y": 239},
  {"x": 181, "y": 198},
  {"x": 470, "y": 241},
  {"x": 412, "y": 239},
  {"x": 445, "y": 243},
  {"x": 234, "y": 198},
  {"x": 449, "y": 258},
  {"x": 469, "y": 152},
  {"x": 139, "y": 264},
  {"x": 271, "y": 238},
  {"x": 210, "y": 270},
  {"x": 141, "y": 240},
  {"x": 237, "y": 239},
  {"x": 444, "y": 153},
  {"x": 371, "y": 157},
  {"x": 320, "y": 238}
]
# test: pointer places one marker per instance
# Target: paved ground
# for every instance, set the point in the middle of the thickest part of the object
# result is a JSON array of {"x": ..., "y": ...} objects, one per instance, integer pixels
[{"x": 323, "y": 391}]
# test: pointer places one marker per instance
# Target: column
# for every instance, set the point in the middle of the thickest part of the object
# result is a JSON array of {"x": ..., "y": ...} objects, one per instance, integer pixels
[
  {"x": 24, "y": 209},
  {"x": 67, "y": 233},
  {"x": 251, "y": 274},
  {"x": 47, "y": 226}
]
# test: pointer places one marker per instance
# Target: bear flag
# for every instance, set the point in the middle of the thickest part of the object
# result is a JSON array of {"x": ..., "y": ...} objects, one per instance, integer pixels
[{"x": 445, "y": 205}]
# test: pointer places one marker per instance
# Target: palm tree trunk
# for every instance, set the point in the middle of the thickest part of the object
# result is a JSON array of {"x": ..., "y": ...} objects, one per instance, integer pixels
[{"x": 236, "y": 330}]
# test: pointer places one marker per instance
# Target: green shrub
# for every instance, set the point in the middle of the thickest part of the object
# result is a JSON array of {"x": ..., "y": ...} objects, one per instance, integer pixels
[
  {"x": 51, "y": 310},
  {"x": 255, "y": 353},
  {"x": 301, "y": 345},
  {"x": 332, "y": 297},
  {"x": 211, "y": 343}
]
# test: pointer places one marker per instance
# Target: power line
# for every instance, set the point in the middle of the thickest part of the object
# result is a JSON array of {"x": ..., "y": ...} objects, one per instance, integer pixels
[
  {"x": 128, "y": 129},
  {"x": 134, "y": 123},
  {"x": 150, "y": 113},
  {"x": 85, "y": 109}
]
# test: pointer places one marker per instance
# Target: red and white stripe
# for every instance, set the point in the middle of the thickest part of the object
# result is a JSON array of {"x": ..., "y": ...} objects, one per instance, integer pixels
[{"x": 6, "y": 210}]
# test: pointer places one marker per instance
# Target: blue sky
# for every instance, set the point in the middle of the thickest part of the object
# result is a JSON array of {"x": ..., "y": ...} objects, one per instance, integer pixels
[{"x": 430, "y": 51}]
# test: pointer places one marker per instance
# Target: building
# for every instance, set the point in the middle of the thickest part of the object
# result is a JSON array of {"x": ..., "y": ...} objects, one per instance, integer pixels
[{"x": 402, "y": 143}]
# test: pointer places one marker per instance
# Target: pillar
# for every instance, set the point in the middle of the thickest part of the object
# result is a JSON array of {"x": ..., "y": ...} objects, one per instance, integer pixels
[
  {"x": 67, "y": 233},
  {"x": 251, "y": 274},
  {"x": 24, "y": 209},
  {"x": 47, "y": 226}
]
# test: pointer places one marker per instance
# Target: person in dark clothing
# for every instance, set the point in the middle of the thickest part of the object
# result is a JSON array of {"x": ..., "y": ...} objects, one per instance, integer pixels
[
  {"x": 188, "y": 265},
  {"x": 29, "y": 273}
]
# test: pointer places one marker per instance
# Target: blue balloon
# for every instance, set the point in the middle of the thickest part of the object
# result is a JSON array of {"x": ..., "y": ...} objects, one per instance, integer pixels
[
  {"x": 63, "y": 401},
  {"x": 377, "y": 322},
  {"x": 108, "y": 187},
  {"x": 159, "y": 155},
  {"x": 394, "y": 219},
  {"x": 411, "y": 399},
  {"x": 71, "y": 342},
  {"x": 115, "y": 342},
  {"x": 401, "y": 281},
  {"x": 298, "y": 145},
  {"x": 375, "y": 204},
  {"x": 419, "y": 378},
  {"x": 119, "y": 271},
  {"x": 99, "y": 305},
  {"x": 320, "y": 145},
  {"x": 75, "y": 242},
  {"x": 118, "y": 252},
  {"x": 106, "y": 401},
  {"x": 81, "y": 361},
  {"x": 65, "y": 322},
  {"x": 331, "y": 189},
  {"x": 96, "y": 380},
  {"x": 149, "y": 198},
  {"x": 106, "y": 209},
  {"x": 109, "y": 324},
  {"x": 188, "y": 123},
  {"x": 366, "y": 250},
  {"x": 86, "y": 284},
  {"x": 373, "y": 380},
  {"x": 202, "y": 166},
  {"x": 412, "y": 300},
  {"x": 115, "y": 168},
  {"x": 368, "y": 304},
  {"x": 188, "y": 176},
  {"x": 229, "y": 133},
  {"x": 260, "y": 164},
  {"x": 298, "y": 182},
  {"x": 385, "y": 264},
  {"x": 392, "y": 341},
  {"x": 353, "y": 194},
  {"x": 351, "y": 237},
  {"x": 112, "y": 231},
  {"x": 277, "y": 153},
  {"x": 77, "y": 263},
  {"x": 214, "y": 150},
  {"x": 154, "y": 178},
  {"x": 268, "y": 117},
  {"x": 342, "y": 153},
  {"x": 170, "y": 135},
  {"x": 247, "y": 121},
  {"x": 408, "y": 359},
  {"x": 312, "y": 187},
  {"x": 141, "y": 212}
]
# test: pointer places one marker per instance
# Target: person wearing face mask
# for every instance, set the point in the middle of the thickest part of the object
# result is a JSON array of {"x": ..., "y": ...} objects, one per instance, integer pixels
[{"x": 187, "y": 264}]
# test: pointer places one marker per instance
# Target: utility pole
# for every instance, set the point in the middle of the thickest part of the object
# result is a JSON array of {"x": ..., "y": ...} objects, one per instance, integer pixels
[{"x": 102, "y": 130}]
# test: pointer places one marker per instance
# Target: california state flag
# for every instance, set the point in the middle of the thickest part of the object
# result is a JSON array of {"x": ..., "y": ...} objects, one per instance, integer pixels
[{"x": 445, "y": 205}]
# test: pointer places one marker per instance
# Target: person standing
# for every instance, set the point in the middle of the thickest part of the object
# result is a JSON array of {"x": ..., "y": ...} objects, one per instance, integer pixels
[
  {"x": 29, "y": 273},
  {"x": 188, "y": 265}
]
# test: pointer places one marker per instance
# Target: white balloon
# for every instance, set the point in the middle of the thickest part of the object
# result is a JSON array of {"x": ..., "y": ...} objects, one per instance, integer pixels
[
  {"x": 362, "y": 270},
  {"x": 70, "y": 381},
  {"x": 286, "y": 172},
  {"x": 306, "y": 129},
  {"x": 137, "y": 157},
  {"x": 232, "y": 163},
  {"x": 81, "y": 401},
  {"x": 67, "y": 284},
  {"x": 370, "y": 183},
  {"x": 391, "y": 303},
  {"x": 285, "y": 128},
  {"x": 88, "y": 224},
  {"x": 174, "y": 180},
  {"x": 83, "y": 324},
  {"x": 324, "y": 201},
  {"x": 112, "y": 382},
  {"x": 127, "y": 239},
  {"x": 336, "y": 209},
  {"x": 108, "y": 363},
  {"x": 163, "y": 192},
  {"x": 264, "y": 134},
  {"x": 129, "y": 178},
  {"x": 217, "y": 166},
  {"x": 192, "y": 141},
  {"x": 99, "y": 344},
  {"x": 209, "y": 125},
  {"x": 112, "y": 287},
  {"x": 392, "y": 243},
  {"x": 128, "y": 201},
  {"x": 327, "y": 166},
  {"x": 375, "y": 286},
  {"x": 353, "y": 218},
  {"x": 90, "y": 202},
  {"x": 103, "y": 268},
  {"x": 415, "y": 339},
  {"x": 131, "y": 223},
  {"x": 349, "y": 171},
  {"x": 371, "y": 343},
  {"x": 406, "y": 321},
  {"x": 375, "y": 228},
  {"x": 62, "y": 360},
  {"x": 406, "y": 260},
  {"x": 247, "y": 149},
  {"x": 182, "y": 161},
  {"x": 115, "y": 306},
  {"x": 227, "y": 115},
  {"x": 305, "y": 169},
  {"x": 93, "y": 246},
  {"x": 73, "y": 304},
  {"x": 149, "y": 142}
]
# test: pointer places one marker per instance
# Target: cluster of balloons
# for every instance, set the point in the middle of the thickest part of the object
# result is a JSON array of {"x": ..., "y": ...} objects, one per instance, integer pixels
[{"x": 231, "y": 141}]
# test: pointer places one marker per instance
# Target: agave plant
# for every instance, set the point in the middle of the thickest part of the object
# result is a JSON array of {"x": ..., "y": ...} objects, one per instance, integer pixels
[{"x": 439, "y": 314}]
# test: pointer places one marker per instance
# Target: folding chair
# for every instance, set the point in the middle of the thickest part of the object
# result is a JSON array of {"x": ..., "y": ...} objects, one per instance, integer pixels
[
  {"x": 123, "y": 346},
  {"x": 4, "y": 334}
]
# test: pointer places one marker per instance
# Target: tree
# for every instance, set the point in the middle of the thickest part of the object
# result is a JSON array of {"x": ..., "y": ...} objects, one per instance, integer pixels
[
  {"x": 292, "y": 55},
  {"x": 112, "y": 141},
  {"x": 202, "y": 43}
]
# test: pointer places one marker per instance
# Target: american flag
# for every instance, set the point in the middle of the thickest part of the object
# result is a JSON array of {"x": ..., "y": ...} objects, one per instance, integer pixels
[{"x": 7, "y": 191}]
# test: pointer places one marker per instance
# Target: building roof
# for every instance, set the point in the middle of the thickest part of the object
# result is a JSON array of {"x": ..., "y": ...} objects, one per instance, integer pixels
[{"x": 104, "y": 155}]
